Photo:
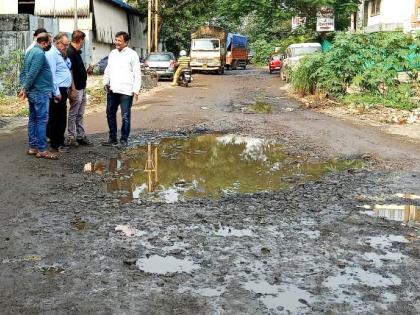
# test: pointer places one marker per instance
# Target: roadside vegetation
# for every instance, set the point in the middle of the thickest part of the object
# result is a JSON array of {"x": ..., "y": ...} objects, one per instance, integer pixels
[
  {"x": 366, "y": 69},
  {"x": 10, "y": 66}
]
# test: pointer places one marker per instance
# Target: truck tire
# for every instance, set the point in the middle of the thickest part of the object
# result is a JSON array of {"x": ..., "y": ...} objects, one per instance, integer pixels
[{"x": 234, "y": 65}]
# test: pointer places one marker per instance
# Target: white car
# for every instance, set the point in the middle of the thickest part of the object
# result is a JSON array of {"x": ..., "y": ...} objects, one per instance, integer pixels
[{"x": 294, "y": 53}]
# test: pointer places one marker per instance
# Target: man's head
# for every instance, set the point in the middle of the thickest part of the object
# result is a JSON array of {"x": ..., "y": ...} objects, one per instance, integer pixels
[
  {"x": 121, "y": 40},
  {"x": 39, "y": 31},
  {"x": 77, "y": 39},
  {"x": 61, "y": 42},
  {"x": 44, "y": 41}
]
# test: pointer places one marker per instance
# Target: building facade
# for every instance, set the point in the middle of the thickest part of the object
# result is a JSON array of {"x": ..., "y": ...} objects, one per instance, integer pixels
[
  {"x": 99, "y": 19},
  {"x": 388, "y": 15}
]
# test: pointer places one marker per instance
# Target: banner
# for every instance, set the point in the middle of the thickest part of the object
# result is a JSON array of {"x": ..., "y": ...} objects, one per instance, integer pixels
[
  {"x": 298, "y": 21},
  {"x": 325, "y": 21}
]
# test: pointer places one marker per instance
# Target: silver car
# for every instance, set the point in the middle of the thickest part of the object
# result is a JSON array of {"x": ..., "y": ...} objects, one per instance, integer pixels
[{"x": 161, "y": 62}]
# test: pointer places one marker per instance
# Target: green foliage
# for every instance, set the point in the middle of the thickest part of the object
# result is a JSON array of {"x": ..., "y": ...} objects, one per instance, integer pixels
[
  {"x": 10, "y": 66},
  {"x": 370, "y": 62},
  {"x": 260, "y": 20}
]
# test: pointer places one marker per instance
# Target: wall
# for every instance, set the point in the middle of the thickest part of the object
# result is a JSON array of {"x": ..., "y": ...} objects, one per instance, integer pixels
[
  {"x": 137, "y": 29},
  {"x": 108, "y": 21},
  {"x": 393, "y": 14},
  {"x": 16, "y": 30},
  {"x": 8, "y": 7},
  {"x": 100, "y": 50}
]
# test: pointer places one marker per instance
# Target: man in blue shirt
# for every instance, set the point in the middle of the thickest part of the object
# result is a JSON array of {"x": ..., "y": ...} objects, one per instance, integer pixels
[
  {"x": 36, "y": 80},
  {"x": 60, "y": 67}
]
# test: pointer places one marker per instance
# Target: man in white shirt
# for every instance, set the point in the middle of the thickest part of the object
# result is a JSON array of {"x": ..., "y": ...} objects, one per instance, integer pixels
[
  {"x": 122, "y": 82},
  {"x": 36, "y": 33}
]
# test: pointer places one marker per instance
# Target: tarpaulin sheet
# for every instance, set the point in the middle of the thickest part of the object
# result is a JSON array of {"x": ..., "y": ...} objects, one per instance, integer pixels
[{"x": 237, "y": 41}]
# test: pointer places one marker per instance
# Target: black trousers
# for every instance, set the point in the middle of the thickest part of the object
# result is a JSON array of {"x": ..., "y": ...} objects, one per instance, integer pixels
[{"x": 57, "y": 119}]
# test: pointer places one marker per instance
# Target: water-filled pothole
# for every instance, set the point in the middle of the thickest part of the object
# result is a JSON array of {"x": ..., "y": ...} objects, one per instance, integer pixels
[
  {"x": 211, "y": 166},
  {"x": 164, "y": 265}
]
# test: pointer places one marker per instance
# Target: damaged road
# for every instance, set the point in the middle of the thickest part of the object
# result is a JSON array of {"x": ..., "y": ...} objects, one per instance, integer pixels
[{"x": 345, "y": 241}]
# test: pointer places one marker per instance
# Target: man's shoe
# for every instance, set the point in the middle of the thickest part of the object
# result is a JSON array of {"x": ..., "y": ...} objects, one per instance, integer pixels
[
  {"x": 84, "y": 141},
  {"x": 71, "y": 142},
  {"x": 123, "y": 143},
  {"x": 63, "y": 149},
  {"x": 110, "y": 143}
]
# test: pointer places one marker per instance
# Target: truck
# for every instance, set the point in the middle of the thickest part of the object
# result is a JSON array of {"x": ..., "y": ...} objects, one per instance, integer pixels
[
  {"x": 237, "y": 51},
  {"x": 208, "y": 49}
]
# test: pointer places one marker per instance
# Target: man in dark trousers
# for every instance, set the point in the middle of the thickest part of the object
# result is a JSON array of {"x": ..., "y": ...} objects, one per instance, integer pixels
[
  {"x": 122, "y": 81},
  {"x": 60, "y": 67},
  {"x": 36, "y": 80},
  {"x": 77, "y": 95}
]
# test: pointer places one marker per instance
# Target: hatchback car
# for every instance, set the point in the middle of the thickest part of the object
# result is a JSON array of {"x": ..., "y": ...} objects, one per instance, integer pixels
[
  {"x": 275, "y": 63},
  {"x": 295, "y": 53},
  {"x": 161, "y": 62}
]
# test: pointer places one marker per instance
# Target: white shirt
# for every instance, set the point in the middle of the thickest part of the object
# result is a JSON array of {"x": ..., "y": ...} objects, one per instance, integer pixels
[{"x": 122, "y": 73}]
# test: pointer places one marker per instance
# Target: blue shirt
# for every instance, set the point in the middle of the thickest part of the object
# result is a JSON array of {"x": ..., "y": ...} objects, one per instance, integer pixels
[
  {"x": 60, "y": 69},
  {"x": 36, "y": 76}
]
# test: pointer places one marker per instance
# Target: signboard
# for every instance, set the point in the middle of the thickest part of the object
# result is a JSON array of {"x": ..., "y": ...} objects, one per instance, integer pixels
[
  {"x": 325, "y": 21},
  {"x": 298, "y": 21}
]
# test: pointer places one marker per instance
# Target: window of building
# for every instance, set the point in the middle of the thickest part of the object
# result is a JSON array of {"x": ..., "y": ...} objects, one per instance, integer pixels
[
  {"x": 375, "y": 8},
  {"x": 26, "y": 6}
]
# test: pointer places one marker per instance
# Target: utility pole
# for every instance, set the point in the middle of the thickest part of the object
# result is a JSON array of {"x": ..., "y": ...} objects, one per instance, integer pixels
[
  {"x": 149, "y": 26},
  {"x": 75, "y": 15},
  {"x": 156, "y": 24}
]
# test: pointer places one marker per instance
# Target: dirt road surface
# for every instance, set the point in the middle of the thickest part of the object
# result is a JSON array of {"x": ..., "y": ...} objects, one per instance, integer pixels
[{"x": 67, "y": 246}]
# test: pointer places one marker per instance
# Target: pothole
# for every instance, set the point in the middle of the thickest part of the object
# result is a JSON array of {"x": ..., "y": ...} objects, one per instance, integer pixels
[
  {"x": 210, "y": 166},
  {"x": 163, "y": 265}
]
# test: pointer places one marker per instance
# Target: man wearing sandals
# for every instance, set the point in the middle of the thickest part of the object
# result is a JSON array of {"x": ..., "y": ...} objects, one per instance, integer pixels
[{"x": 36, "y": 80}]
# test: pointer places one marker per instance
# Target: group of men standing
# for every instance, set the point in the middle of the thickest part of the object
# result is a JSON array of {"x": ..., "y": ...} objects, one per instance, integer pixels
[{"x": 54, "y": 71}]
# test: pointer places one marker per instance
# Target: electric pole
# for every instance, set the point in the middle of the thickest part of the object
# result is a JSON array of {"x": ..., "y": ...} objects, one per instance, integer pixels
[
  {"x": 156, "y": 25},
  {"x": 75, "y": 14},
  {"x": 149, "y": 26}
]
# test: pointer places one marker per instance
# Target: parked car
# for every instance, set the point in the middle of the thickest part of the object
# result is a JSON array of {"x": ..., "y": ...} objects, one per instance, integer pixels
[
  {"x": 161, "y": 62},
  {"x": 294, "y": 53},
  {"x": 275, "y": 63}
]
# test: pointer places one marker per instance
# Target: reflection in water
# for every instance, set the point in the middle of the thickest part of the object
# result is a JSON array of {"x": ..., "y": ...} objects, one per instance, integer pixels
[
  {"x": 212, "y": 166},
  {"x": 122, "y": 184},
  {"x": 402, "y": 213}
]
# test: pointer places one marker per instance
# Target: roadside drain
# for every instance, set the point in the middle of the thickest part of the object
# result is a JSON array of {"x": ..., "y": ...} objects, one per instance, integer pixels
[{"x": 209, "y": 166}]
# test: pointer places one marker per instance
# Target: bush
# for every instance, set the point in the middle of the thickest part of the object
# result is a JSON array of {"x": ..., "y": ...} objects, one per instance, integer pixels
[
  {"x": 10, "y": 66},
  {"x": 370, "y": 62}
]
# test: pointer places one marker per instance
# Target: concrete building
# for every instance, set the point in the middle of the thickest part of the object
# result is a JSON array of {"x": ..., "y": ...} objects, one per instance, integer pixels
[
  {"x": 99, "y": 19},
  {"x": 388, "y": 15}
]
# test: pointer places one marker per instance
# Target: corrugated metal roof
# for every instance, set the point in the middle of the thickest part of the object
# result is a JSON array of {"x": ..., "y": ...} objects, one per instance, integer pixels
[{"x": 62, "y": 8}]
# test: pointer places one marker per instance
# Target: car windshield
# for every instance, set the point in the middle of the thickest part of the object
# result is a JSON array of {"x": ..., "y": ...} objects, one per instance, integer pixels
[
  {"x": 301, "y": 51},
  {"x": 275, "y": 57},
  {"x": 163, "y": 57},
  {"x": 206, "y": 44}
]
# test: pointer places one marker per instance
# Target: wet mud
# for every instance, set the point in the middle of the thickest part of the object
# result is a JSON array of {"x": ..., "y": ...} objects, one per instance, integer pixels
[{"x": 343, "y": 239}]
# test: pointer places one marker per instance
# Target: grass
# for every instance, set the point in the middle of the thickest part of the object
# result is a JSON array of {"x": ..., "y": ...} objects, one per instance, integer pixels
[
  {"x": 11, "y": 106},
  {"x": 369, "y": 100}
]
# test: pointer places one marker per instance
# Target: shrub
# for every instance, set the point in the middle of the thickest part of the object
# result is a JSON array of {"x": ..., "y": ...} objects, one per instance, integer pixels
[
  {"x": 10, "y": 66},
  {"x": 370, "y": 62}
]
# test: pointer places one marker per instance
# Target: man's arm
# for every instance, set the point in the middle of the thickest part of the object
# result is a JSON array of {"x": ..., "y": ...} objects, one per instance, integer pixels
[
  {"x": 52, "y": 61},
  {"x": 106, "y": 79},
  {"x": 137, "y": 74}
]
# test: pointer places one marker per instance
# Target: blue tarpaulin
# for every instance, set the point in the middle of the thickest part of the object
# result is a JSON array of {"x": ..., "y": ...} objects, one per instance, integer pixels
[{"x": 236, "y": 40}]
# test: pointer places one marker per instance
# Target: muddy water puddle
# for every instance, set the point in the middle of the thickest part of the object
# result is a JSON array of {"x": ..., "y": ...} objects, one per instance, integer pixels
[
  {"x": 405, "y": 211},
  {"x": 163, "y": 265},
  {"x": 209, "y": 166}
]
